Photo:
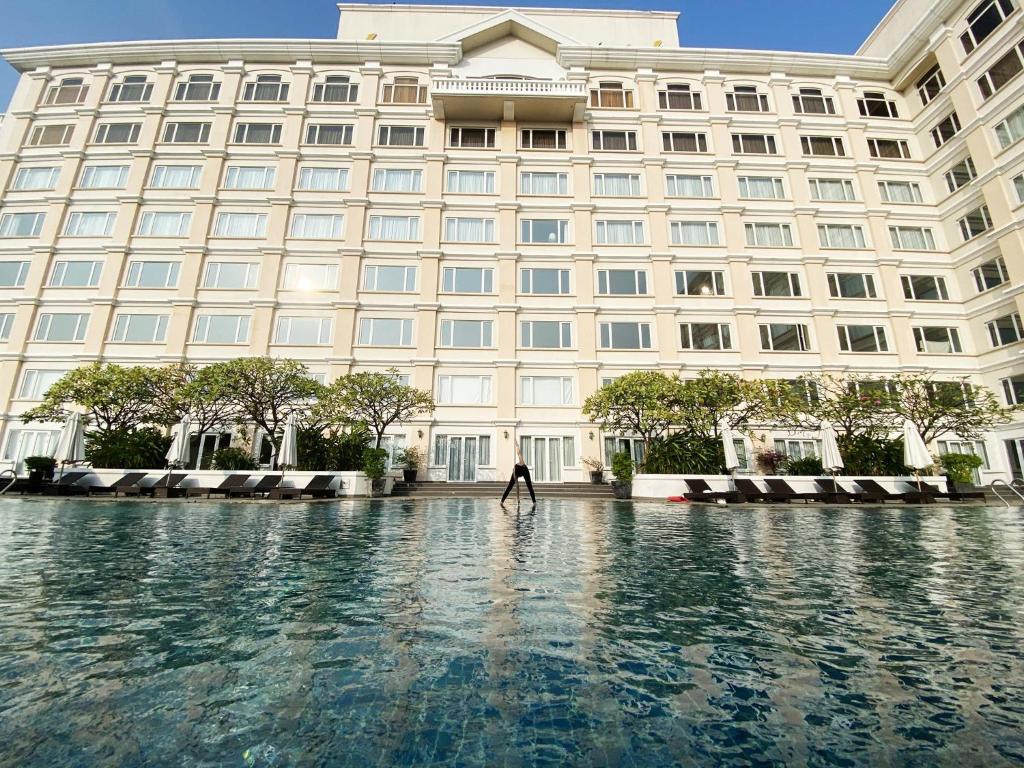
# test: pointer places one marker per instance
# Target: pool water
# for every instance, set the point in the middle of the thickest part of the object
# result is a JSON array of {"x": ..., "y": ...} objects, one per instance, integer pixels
[{"x": 453, "y": 632}]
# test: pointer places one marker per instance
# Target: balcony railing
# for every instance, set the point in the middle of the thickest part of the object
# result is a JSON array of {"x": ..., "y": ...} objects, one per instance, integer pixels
[{"x": 483, "y": 86}]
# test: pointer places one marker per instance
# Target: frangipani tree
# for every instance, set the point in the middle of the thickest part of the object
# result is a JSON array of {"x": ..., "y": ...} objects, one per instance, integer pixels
[
  {"x": 940, "y": 408},
  {"x": 376, "y": 399},
  {"x": 642, "y": 403}
]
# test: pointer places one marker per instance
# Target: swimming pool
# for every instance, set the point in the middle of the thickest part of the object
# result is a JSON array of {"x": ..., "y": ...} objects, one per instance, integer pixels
[{"x": 452, "y": 632}]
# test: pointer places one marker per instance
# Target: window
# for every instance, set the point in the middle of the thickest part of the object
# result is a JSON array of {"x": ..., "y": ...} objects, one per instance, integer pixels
[
  {"x": 468, "y": 230},
  {"x": 323, "y": 179},
  {"x": 467, "y": 280},
  {"x": 621, "y": 282},
  {"x": 152, "y": 274},
  {"x": 545, "y": 334},
  {"x": 990, "y": 275},
  {"x": 471, "y": 182},
  {"x": 51, "y": 135},
  {"x": 389, "y": 278},
  {"x": 336, "y": 89},
  {"x": 912, "y": 238},
  {"x": 176, "y": 176},
  {"x": 975, "y": 223},
  {"x": 13, "y": 274},
  {"x": 544, "y": 231},
  {"x": 543, "y": 183},
  {"x": 679, "y": 96},
  {"x": 221, "y": 329},
  {"x": 1011, "y": 130},
  {"x": 104, "y": 176},
  {"x": 841, "y": 236},
  {"x": 961, "y": 174},
  {"x": 21, "y": 224},
  {"x": 36, "y": 179},
  {"x": 619, "y": 232},
  {"x": 769, "y": 235},
  {"x": 1005, "y": 330},
  {"x": 823, "y": 146},
  {"x": 139, "y": 329},
  {"x": 61, "y": 327},
  {"x": 36, "y": 382},
  {"x": 394, "y": 228},
  {"x": 761, "y": 188},
  {"x": 827, "y": 190},
  {"x": 310, "y": 277},
  {"x": 90, "y": 224},
  {"x": 197, "y": 88},
  {"x": 811, "y": 101},
  {"x": 385, "y": 332},
  {"x": 70, "y": 90},
  {"x": 937, "y": 341},
  {"x": 1013, "y": 390},
  {"x": 679, "y": 141},
  {"x": 466, "y": 334},
  {"x": 776, "y": 283},
  {"x": 851, "y": 285},
  {"x": 265, "y": 88},
  {"x": 164, "y": 224},
  {"x": 704, "y": 336},
  {"x": 611, "y": 95},
  {"x": 257, "y": 133},
  {"x": 862, "y": 338},
  {"x": 745, "y": 98},
  {"x": 397, "y": 180},
  {"x": 308, "y": 331},
  {"x": 1002, "y": 72},
  {"x": 186, "y": 133},
  {"x": 463, "y": 390},
  {"x": 1018, "y": 186},
  {"x": 875, "y": 104},
  {"x": 889, "y": 149},
  {"x": 542, "y": 138},
  {"x": 76, "y": 274},
  {"x": 544, "y": 281},
  {"x": 797, "y": 449},
  {"x": 131, "y": 89},
  {"x": 6, "y": 321},
  {"x": 946, "y": 129},
  {"x": 931, "y": 84},
  {"x": 694, "y": 233},
  {"x": 231, "y": 276},
  {"x": 900, "y": 191},
  {"x": 700, "y": 283},
  {"x": 471, "y": 138},
  {"x": 783, "y": 337},
  {"x": 545, "y": 390},
  {"x": 328, "y": 134},
  {"x": 625, "y": 335},
  {"x": 404, "y": 90},
  {"x": 242, "y": 225},
  {"x": 983, "y": 21},
  {"x": 686, "y": 185},
  {"x": 614, "y": 141},
  {"x": 924, "y": 288},
  {"x": 400, "y": 136},
  {"x": 117, "y": 133},
  {"x": 753, "y": 144},
  {"x": 317, "y": 226},
  {"x": 250, "y": 177}
]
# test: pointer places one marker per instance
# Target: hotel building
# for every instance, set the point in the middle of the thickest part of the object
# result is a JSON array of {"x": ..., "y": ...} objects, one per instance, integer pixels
[{"x": 513, "y": 206}]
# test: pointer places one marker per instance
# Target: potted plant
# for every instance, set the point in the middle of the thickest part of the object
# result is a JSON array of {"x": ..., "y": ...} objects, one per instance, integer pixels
[
  {"x": 596, "y": 467},
  {"x": 959, "y": 468},
  {"x": 410, "y": 460},
  {"x": 40, "y": 467},
  {"x": 622, "y": 468},
  {"x": 375, "y": 467},
  {"x": 772, "y": 462}
]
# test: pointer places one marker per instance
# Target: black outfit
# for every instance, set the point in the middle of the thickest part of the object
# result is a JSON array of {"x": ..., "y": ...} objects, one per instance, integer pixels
[{"x": 522, "y": 471}]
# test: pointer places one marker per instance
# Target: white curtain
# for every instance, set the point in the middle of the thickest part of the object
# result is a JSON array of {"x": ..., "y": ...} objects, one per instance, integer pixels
[
  {"x": 544, "y": 184},
  {"x": 394, "y": 227},
  {"x": 901, "y": 193},
  {"x": 323, "y": 179},
  {"x": 689, "y": 186},
  {"x": 105, "y": 176},
  {"x": 1011, "y": 129},
  {"x": 241, "y": 225},
  {"x": 90, "y": 224},
  {"x": 164, "y": 224},
  {"x": 619, "y": 232},
  {"x": 841, "y": 236},
  {"x": 246, "y": 177},
  {"x": 316, "y": 226},
  {"x": 694, "y": 233},
  {"x": 770, "y": 235},
  {"x": 469, "y": 230},
  {"x": 397, "y": 180},
  {"x": 760, "y": 187},
  {"x": 471, "y": 182},
  {"x": 176, "y": 176},
  {"x": 831, "y": 189}
]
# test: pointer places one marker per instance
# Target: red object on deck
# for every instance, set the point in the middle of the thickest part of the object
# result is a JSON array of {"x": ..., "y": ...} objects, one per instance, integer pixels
[{"x": 678, "y": 499}]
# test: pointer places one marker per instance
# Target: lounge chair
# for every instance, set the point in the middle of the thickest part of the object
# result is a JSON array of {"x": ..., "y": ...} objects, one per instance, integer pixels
[
  {"x": 953, "y": 495},
  {"x": 65, "y": 484},
  {"x": 873, "y": 493},
  {"x": 785, "y": 491},
  {"x": 835, "y": 493},
  {"x": 126, "y": 486},
  {"x": 319, "y": 487},
  {"x": 282, "y": 492},
  {"x": 701, "y": 491},
  {"x": 224, "y": 489},
  {"x": 266, "y": 483},
  {"x": 167, "y": 487},
  {"x": 751, "y": 492}
]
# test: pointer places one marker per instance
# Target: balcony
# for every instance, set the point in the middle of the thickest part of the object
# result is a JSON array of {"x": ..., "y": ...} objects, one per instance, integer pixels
[{"x": 483, "y": 98}]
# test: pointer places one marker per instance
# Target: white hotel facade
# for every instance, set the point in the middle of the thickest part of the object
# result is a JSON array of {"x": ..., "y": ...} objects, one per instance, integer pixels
[{"x": 511, "y": 206}]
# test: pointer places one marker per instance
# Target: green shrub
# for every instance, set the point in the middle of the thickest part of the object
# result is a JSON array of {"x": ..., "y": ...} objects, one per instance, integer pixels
[
  {"x": 960, "y": 467},
  {"x": 870, "y": 456},
  {"x": 232, "y": 459},
  {"x": 622, "y": 467},
  {"x": 808, "y": 465},
  {"x": 410, "y": 458},
  {"x": 143, "y": 448},
  {"x": 684, "y": 454},
  {"x": 332, "y": 452},
  {"x": 375, "y": 463},
  {"x": 44, "y": 464}
]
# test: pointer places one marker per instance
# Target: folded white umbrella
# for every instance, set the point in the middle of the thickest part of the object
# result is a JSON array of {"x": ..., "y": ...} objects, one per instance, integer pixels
[
  {"x": 732, "y": 461},
  {"x": 831, "y": 459},
  {"x": 288, "y": 456},
  {"x": 915, "y": 452},
  {"x": 70, "y": 447},
  {"x": 178, "y": 453}
]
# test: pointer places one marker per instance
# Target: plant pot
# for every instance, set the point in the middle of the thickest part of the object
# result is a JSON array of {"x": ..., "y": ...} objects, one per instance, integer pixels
[
  {"x": 409, "y": 475},
  {"x": 597, "y": 477},
  {"x": 377, "y": 486},
  {"x": 622, "y": 490}
]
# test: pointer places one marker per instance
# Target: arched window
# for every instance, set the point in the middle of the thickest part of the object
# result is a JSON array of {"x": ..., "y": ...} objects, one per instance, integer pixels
[
  {"x": 133, "y": 89},
  {"x": 336, "y": 89},
  {"x": 746, "y": 98},
  {"x": 811, "y": 101},
  {"x": 197, "y": 87},
  {"x": 611, "y": 95},
  {"x": 404, "y": 90},
  {"x": 266, "y": 88},
  {"x": 70, "y": 90},
  {"x": 679, "y": 96},
  {"x": 986, "y": 17}
]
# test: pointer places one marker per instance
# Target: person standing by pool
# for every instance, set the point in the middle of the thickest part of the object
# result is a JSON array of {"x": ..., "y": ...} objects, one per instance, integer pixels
[{"x": 520, "y": 470}]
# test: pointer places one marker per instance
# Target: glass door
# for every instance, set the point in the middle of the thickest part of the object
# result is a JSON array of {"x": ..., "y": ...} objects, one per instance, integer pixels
[
  {"x": 544, "y": 458},
  {"x": 462, "y": 459}
]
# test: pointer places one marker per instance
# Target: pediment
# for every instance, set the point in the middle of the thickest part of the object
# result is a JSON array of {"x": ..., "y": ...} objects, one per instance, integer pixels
[{"x": 506, "y": 24}]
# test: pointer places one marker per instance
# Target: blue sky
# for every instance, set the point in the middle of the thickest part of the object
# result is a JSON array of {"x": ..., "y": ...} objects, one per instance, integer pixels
[{"x": 807, "y": 25}]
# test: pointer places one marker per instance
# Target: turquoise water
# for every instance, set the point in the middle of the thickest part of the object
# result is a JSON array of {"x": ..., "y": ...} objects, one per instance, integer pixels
[{"x": 452, "y": 632}]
